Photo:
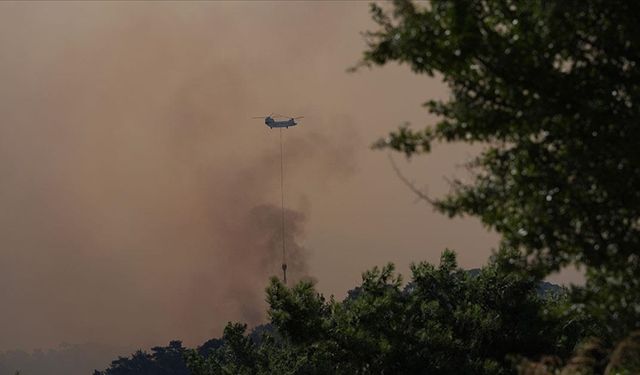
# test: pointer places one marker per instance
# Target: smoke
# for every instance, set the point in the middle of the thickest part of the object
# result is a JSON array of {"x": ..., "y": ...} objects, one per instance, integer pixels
[
  {"x": 140, "y": 203},
  {"x": 65, "y": 360},
  {"x": 248, "y": 227},
  {"x": 260, "y": 254}
]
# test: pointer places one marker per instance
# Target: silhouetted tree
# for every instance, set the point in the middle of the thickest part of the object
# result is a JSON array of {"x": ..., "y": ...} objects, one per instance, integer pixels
[
  {"x": 551, "y": 89},
  {"x": 445, "y": 321},
  {"x": 161, "y": 361}
]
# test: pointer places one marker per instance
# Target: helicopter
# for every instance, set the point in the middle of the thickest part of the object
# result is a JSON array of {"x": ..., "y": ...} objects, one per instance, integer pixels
[{"x": 273, "y": 123}]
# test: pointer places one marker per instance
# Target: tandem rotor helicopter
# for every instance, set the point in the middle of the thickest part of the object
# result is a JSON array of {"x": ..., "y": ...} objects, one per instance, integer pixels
[
  {"x": 271, "y": 122},
  {"x": 281, "y": 122}
]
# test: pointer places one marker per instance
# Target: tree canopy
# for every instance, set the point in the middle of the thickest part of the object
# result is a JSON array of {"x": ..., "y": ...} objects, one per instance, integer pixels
[
  {"x": 551, "y": 89},
  {"x": 167, "y": 360},
  {"x": 444, "y": 321}
]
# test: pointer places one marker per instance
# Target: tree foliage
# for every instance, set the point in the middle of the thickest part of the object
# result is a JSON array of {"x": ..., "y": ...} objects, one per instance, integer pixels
[
  {"x": 551, "y": 89},
  {"x": 444, "y": 321},
  {"x": 167, "y": 360}
]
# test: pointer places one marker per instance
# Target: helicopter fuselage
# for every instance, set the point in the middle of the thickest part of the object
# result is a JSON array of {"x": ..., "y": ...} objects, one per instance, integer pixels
[{"x": 271, "y": 123}]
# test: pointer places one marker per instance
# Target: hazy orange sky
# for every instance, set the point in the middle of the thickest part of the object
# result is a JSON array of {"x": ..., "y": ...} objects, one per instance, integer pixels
[{"x": 139, "y": 200}]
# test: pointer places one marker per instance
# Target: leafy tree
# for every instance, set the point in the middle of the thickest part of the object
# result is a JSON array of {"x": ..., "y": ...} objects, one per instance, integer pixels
[
  {"x": 161, "y": 361},
  {"x": 444, "y": 321},
  {"x": 551, "y": 89},
  {"x": 247, "y": 354}
]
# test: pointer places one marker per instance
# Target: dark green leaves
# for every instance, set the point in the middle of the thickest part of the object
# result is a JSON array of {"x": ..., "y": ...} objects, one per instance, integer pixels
[{"x": 551, "y": 88}]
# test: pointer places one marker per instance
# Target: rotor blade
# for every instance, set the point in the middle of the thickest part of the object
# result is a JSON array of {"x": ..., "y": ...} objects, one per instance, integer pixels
[{"x": 295, "y": 118}]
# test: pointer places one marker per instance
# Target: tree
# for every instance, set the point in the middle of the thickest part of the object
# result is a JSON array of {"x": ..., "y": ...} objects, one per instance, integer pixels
[
  {"x": 161, "y": 361},
  {"x": 444, "y": 321},
  {"x": 551, "y": 89}
]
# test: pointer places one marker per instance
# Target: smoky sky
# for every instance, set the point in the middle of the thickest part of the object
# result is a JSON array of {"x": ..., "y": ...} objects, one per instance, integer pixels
[{"x": 140, "y": 201}]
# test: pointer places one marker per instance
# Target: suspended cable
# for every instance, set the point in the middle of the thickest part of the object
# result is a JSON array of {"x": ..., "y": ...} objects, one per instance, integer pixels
[
  {"x": 281, "y": 123},
  {"x": 284, "y": 258}
]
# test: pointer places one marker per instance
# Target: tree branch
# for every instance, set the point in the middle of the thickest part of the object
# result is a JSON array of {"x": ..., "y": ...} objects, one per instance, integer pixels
[{"x": 421, "y": 195}]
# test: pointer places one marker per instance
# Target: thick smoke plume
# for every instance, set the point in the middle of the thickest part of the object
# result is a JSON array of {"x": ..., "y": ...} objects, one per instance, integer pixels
[{"x": 139, "y": 201}]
